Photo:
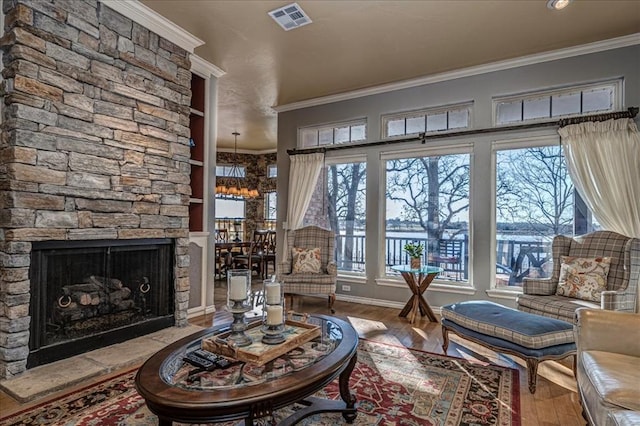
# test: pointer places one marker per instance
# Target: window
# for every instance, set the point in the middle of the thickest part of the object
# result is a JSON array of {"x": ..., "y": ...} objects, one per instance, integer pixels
[
  {"x": 539, "y": 106},
  {"x": 426, "y": 121},
  {"x": 339, "y": 203},
  {"x": 346, "y": 205},
  {"x": 535, "y": 200},
  {"x": 272, "y": 171},
  {"x": 229, "y": 208},
  {"x": 225, "y": 170},
  {"x": 230, "y": 215},
  {"x": 270, "y": 204},
  {"x": 427, "y": 200},
  {"x": 355, "y": 131}
]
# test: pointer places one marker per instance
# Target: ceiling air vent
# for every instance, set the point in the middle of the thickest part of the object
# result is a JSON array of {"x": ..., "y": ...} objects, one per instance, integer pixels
[{"x": 290, "y": 16}]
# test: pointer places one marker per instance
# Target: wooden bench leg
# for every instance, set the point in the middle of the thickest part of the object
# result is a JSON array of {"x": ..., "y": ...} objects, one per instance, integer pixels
[
  {"x": 532, "y": 374},
  {"x": 445, "y": 339}
]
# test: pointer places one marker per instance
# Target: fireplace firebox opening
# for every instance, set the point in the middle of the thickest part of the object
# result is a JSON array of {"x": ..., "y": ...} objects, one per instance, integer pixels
[{"x": 90, "y": 294}]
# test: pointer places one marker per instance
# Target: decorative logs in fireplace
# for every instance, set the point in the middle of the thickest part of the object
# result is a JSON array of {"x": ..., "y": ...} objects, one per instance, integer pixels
[{"x": 96, "y": 296}]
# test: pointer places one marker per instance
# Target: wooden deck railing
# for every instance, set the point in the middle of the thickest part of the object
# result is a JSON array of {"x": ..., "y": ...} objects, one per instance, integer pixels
[{"x": 512, "y": 256}]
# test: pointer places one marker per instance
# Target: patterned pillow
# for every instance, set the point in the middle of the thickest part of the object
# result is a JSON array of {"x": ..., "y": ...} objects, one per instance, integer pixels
[
  {"x": 583, "y": 278},
  {"x": 306, "y": 260}
]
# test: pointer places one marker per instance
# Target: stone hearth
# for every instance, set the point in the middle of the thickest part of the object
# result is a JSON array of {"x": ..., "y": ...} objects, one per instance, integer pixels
[{"x": 95, "y": 145}]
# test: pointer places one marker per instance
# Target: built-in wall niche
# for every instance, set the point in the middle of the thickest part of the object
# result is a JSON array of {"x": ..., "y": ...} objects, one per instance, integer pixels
[
  {"x": 197, "y": 143},
  {"x": 90, "y": 294}
]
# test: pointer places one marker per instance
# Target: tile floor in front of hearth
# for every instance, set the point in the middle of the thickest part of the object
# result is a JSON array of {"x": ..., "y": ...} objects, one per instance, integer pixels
[{"x": 45, "y": 379}]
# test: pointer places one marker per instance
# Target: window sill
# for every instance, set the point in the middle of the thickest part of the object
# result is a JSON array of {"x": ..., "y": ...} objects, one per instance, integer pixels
[
  {"x": 500, "y": 293},
  {"x": 357, "y": 279}
]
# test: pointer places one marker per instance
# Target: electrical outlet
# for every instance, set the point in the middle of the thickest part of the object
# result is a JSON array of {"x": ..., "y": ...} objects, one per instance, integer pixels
[{"x": 346, "y": 287}]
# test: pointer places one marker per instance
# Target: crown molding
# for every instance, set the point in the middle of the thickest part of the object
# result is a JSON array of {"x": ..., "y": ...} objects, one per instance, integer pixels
[
  {"x": 248, "y": 151},
  {"x": 204, "y": 68},
  {"x": 155, "y": 22},
  {"x": 585, "y": 49}
]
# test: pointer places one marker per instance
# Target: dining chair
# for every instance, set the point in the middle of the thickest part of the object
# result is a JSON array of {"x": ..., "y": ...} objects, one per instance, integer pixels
[
  {"x": 221, "y": 255},
  {"x": 253, "y": 260},
  {"x": 269, "y": 255}
]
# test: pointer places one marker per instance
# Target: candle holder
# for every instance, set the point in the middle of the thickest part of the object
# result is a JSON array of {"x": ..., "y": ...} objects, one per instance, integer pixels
[
  {"x": 239, "y": 302},
  {"x": 272, "y": 313}
]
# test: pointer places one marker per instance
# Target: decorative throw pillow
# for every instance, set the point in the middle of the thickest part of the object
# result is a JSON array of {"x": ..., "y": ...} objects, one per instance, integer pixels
[
  {"x": 583, "y": 278},
  {"x": 306, "y": 260}
]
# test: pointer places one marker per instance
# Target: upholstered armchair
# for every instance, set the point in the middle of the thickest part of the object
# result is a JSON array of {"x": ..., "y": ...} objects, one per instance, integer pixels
[
  {"x": 540, "y": 295},
  {"x": 306, "y": 270},
  {"x": 607, "y": 370}
]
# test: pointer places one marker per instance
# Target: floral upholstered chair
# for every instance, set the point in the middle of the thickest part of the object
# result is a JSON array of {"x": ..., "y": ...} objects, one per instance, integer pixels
[
  {"x": 599, "y": 270},
  {"x": 309, "y": 266}
]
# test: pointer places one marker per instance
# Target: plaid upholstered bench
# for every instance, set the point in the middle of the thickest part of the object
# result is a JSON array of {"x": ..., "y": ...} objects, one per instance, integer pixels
[{"x": 529, "y": 336}]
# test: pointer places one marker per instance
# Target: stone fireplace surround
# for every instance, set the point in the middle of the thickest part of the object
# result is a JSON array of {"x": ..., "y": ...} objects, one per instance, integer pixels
[{"x": 94, "y": 145}]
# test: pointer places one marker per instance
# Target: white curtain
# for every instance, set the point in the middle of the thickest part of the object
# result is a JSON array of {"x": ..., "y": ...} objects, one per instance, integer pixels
[
  {"x": 303, "y": 176},
  {"x": 603, "y": 159}
]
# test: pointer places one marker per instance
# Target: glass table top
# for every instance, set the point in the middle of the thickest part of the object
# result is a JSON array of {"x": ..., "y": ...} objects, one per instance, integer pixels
[
  {"x": 422, "y": 270},
  {"x": 176, "y": 372}
]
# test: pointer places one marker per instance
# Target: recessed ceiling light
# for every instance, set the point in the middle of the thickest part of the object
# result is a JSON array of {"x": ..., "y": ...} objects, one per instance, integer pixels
[
  {"x": 290, "y": 16},
  {"x": 558, "y": 4}
]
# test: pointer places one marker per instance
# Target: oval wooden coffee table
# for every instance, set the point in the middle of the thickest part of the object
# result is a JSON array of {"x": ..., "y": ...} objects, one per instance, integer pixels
[{"x": 177, "y": 391}]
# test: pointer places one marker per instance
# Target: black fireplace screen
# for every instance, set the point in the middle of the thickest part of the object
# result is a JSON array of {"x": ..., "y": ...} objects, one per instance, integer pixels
[{"x": 89, "y": 294}]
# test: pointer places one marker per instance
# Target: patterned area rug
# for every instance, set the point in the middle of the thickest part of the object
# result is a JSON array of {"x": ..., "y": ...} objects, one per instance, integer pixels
[{"x": 393, "y": 385}]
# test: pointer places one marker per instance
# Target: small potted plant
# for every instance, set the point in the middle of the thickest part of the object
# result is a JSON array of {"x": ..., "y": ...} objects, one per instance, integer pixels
[{"x": 414, "y": 250}]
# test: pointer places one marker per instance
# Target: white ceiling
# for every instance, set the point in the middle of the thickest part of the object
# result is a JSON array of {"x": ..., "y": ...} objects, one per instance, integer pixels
[{"x": 359, "y": 44}]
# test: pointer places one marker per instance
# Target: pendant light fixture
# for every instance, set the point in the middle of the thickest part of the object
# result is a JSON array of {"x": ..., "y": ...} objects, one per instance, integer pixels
[{"x": 235, "y": 189}]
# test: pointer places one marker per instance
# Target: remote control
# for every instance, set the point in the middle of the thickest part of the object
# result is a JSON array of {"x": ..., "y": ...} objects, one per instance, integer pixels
[
  {"x": 206, "y": 355},
  {"x": 223, "y": 363},
  {"x": 197, "y": 361}
]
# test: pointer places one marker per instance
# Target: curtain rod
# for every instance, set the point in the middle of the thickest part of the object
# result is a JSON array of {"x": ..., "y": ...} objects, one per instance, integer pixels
[{"x": 631, "y": 112}]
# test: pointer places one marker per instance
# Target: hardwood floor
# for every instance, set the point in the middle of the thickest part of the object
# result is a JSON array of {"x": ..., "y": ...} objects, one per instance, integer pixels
[{"x": 554, "y": 403}]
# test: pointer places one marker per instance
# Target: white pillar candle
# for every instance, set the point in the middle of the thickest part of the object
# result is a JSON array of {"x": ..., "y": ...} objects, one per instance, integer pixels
[
  {"x": 238, "y": 288},
  {"x": 274, "y": 315},
  {"x": 273, "y": 293}
]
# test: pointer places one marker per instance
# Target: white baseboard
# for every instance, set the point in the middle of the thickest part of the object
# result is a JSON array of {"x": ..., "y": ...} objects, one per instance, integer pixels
[{"x": 378, "y": 302}]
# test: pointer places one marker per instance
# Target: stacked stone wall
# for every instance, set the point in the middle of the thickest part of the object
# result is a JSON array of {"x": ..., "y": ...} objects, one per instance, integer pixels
[{"x": 95, "y": 144}]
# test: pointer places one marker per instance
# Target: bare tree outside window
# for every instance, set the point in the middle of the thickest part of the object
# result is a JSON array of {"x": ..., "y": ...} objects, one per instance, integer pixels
[
  {"x": 346, "y": 202},
  {"x": 535, "y": 200},
  {"x": 536, "y": 190},
  {"x": 428, "y": 200}
]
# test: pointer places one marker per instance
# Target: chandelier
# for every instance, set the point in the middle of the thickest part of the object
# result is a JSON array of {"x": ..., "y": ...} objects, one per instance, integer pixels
[{"x": 235, "y": 189}]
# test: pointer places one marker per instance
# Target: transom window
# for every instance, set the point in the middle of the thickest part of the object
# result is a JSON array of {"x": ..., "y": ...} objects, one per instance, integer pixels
[
  {"x": 355, "y": 131},
  {"x": 567, "y": 102},
  {"x": 427, "y": 121},
  {"x": 224, "y": 170}
]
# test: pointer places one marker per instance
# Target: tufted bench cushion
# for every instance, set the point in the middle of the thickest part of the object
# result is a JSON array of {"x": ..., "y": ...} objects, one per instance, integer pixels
[
  {"x": 529, "y": 330},
  {"x": 532, "y": 337}
]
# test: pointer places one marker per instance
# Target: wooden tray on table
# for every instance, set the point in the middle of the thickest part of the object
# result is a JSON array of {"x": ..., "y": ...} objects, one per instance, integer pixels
[{"x": 296, "y": 333}]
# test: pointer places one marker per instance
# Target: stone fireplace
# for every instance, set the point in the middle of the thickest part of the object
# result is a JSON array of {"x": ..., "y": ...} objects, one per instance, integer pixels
[{"x": 94, "y": 158}]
